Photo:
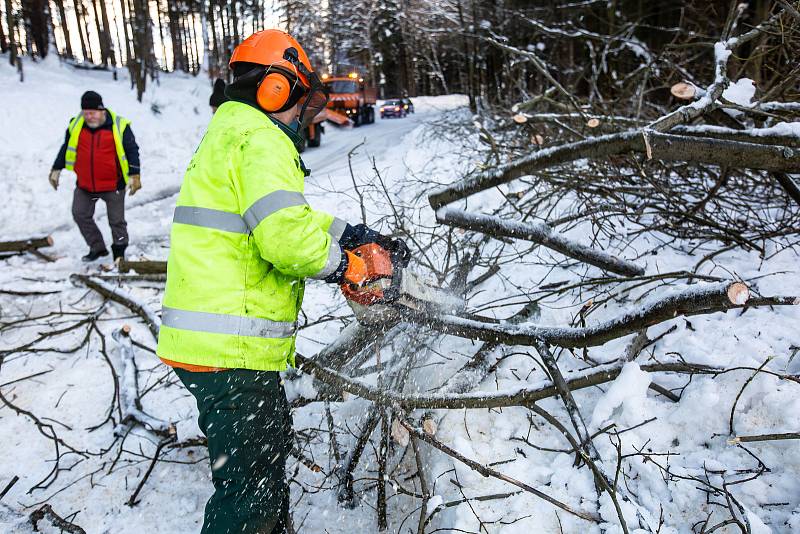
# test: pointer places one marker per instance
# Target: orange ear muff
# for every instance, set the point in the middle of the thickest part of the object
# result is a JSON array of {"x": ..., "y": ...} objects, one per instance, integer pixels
[{"x": 273, "y": 92}]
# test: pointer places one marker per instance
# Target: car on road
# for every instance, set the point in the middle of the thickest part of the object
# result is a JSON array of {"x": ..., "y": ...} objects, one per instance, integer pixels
[
  {"x": 408, "y": 105},
  {"x": 393, "y": 108}
]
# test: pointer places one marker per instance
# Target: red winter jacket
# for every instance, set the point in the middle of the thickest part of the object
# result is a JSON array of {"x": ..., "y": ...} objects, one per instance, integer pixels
[{"x": 96, "y": 161}]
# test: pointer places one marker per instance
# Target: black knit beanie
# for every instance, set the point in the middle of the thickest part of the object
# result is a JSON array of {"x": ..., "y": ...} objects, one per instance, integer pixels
[
  {"x": 218, "y": 95},
  {"x": 91, "y": 100}
]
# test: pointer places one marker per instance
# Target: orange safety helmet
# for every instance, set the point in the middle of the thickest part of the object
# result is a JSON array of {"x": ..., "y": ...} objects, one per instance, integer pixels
[{"x": 287, "y": 66}]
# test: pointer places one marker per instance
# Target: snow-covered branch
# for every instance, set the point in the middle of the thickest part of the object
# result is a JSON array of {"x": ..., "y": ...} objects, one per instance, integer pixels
[{"x": 538, "y": 233}]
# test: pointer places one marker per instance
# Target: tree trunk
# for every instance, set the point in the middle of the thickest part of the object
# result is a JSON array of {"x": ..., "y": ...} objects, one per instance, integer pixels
[
  {"x": 79, "y": 18},
  {"x": 160, "y": 15},
  {"x": 106, "y": 35},
  {"x": 35, "y": 14},
  {"x": 142, "y": 60},
  {"x": 186, "y": 42},
  {"x": 3, "y": 40},
  {"x": 234, "y": 22},
  {"x": 178, "y": 56},
  {"x": 213, "y": 45},
  {"x": 64, "y": 29},
  {"x": 195, "y": 44},
  {"x": 101, "y": 37},
  {"x": 12, "y": 43},
  {"x": 126, "y": 18}
]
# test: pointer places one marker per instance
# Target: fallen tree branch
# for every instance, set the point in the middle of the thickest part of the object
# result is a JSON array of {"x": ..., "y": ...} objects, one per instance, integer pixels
[
  {"x": 722, "y": 52},
  {"x": 142, "y": 267},
  {"x": 161, "y": 444},
  {"x": 764, "y": 437},
  {"x": 538, "y": 233},
  {"x": 489, "y": 472},
  {"x": 517, "y": 397},
  {"x": 46, "y": 512},
  {"x": 25, "y": 245},
  {"x": 8, "y": 487},
  {"x": 699, "y": 299},
  {"x": 130, "y": 401},
  {"x": 662, "y": 146},
  {"x": 152, "y": 321},
  {"x": 568, "y": 400}
]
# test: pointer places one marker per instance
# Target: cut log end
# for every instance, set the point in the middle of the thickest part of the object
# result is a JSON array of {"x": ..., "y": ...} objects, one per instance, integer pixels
[
  {"x": 400, "y": 433},
  {"x": 683, "y": 91},
  {"x": 49, "y": 240},
  {"x": 519, "y": 118},
  {"x": 738, "y": 293},
  {"x": 593, "y": 123},
  {"x": 537, "y": 140},
  {"x": 430, "y": 426},
  {"x": 125, "y": 330}
]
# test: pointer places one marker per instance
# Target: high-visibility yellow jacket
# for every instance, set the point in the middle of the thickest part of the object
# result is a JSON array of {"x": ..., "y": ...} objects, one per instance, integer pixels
[
  {"x": 243, "y": 240},
  {"x": 118, "y": 125}
]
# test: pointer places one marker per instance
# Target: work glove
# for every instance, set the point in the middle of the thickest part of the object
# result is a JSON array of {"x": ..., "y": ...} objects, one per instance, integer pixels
[
  {"x": 54, "y": 174},
  {"x": 360, "y": 234},
  {"x": 134, "y": 183}
]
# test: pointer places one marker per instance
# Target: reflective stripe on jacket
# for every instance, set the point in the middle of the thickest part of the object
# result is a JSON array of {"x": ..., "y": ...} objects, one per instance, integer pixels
[
  {"x": 118, "y": 125},
  {"x": 243, "y": 240}
]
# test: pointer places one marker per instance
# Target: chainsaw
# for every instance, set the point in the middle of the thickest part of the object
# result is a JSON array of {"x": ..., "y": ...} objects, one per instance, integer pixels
[{"x": 392, "y": 289}]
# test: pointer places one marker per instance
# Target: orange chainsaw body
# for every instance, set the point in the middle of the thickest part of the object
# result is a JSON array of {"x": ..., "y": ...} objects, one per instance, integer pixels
[{"x": 380, "y": 271}]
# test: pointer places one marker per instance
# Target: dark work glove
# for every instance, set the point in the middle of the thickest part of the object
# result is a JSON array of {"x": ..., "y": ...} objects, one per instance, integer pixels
[
  {"x": 360, "y": 234},
  {"x": 398, "y": 248}
]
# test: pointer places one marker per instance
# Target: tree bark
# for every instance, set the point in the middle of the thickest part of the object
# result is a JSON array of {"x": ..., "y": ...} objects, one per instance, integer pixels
[
  {"x": 12, "y": 40},
  {"x": 105, "y": 37},
  {"x": 537, "y": 233},
  {"x": 35, "y": 15},
  {"x": 178, "y": 55},
  {"x": 80, "y": 19},
  {"x": 143, "y": 267},
  {"x": 65, "y": 29},
  {"x": 654, "y": 145},
  {"x": 26, "y": 244}
]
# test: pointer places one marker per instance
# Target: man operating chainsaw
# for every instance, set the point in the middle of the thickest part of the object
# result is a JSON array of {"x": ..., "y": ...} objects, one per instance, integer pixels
[{"x": 243, "y": 241}]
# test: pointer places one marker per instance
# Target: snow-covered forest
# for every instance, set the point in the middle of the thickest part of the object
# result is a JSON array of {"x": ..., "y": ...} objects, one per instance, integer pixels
[{"x": 608, "y": 192}]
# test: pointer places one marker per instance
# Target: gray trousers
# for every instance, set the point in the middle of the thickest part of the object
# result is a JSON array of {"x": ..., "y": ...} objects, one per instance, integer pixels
[{"x": 83, "y": 204}]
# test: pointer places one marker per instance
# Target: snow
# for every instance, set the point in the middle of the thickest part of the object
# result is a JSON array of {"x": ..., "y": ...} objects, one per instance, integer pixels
[
  {"x": 780, "y": 129},
  {"x": 740, "y": 92},
  {"x": 413, "y": 158},
  {"x": 721, "y": 52},
  {"x": 628, "y": 391}
]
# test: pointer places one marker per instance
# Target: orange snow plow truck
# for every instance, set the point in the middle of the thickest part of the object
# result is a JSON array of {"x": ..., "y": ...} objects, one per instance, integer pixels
[
  {"x": 350, "y": 98},
  {"x": 351, "y": 101}
]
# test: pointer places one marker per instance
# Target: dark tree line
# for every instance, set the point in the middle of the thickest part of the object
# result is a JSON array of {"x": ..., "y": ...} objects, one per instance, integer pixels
[{"x": 498, "y": 52}]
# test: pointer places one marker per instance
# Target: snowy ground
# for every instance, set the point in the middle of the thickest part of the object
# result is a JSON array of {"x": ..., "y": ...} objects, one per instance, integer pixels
[{"x": 75, "y": 390}]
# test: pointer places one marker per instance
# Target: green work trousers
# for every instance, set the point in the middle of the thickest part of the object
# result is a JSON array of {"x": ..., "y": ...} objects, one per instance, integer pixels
[{"x": 245, "y": 416}]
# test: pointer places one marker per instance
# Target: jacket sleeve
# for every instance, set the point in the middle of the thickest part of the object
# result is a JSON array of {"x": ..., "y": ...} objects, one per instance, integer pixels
[
  {"x": 61, "y": 161},
  {"x": 333, "y": 225},
  {"x": 131, "y": 150},
  {"x": 285, "y": 228}
]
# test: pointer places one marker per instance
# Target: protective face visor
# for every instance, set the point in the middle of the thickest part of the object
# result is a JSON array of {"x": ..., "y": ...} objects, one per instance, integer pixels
[{"x": 316, "y": 96}]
